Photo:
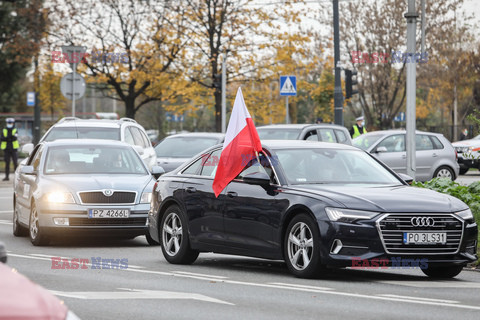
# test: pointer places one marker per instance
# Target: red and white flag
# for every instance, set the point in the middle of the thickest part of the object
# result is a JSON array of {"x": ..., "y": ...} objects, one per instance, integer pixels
[{"x": 241, "y": 142}]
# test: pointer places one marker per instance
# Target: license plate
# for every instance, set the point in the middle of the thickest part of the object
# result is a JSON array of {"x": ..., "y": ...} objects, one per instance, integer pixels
[
  {"x": 424, "y": 237},
  {"x": 108, "y": 213}
]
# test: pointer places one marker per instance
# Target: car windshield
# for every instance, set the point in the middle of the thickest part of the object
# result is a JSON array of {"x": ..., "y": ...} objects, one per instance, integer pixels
[
  {"x": 183, "y": 147},
  {"x": 278, "y": 133},
  {"x": 82, "y": 133},
  {"x": 342, "y": 167},
  {"x": 93, "y": 159},
  {"x": 365, "y": 141}
]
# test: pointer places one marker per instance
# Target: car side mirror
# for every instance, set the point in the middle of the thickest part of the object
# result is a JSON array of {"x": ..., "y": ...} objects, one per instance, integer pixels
[
  {"x": 27, "y": 170},
  {"x": 257, "y": 178},
  {"x": 27, "y": 148},
  {"x": 157, "y": 171},
  {"x": 381, "y": 149},
  {"x": 406, "y": 178}
]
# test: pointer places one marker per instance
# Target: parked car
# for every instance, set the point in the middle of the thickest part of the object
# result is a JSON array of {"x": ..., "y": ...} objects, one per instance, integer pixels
[
  {"x": 22, "y": 299},
  {"x": 312, "y": 204},
  {"x": 468, "y": 153},
  {"x": 83, "y": 186},
  {"x": 316, "y": 132},
  {"x": 125, "y": 129},
  {"x": 178, "y": 148},
  {"x": 435, "y": 155}
]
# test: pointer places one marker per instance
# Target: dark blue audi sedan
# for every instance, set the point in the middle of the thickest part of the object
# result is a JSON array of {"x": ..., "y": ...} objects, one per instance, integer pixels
[{"x": 314, "y": 205}]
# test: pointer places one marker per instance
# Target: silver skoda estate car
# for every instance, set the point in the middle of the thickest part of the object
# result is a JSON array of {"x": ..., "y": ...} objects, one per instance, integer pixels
[{"x": 94, "y": 186}]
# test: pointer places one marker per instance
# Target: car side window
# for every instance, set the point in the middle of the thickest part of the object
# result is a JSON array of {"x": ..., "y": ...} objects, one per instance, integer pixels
[
  {"x": 327, "y": 135},
  {"x": 436, "y": 143},
  {"x": 423, "y": 142},
  {"x": 36, "y": 159},
  {"x": 32, "y": 155},
  {"x": 253, "y": 166},
  {"x": 129, "y": 136},
  {"x": 395, "y": 143},
  {"x": 209, "y": 165},
  {"x": 146, "y": 140},
  {"x": 137, "y": 137},
  {"x": 311, "y": 135},
  {"x": 341, "y": 136},
  {"x": 194, "y": 168}
]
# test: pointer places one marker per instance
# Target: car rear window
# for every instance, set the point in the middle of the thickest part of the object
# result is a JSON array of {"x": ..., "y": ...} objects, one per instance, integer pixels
[
  {"x": 278, "y": 134},
  {"x": 57, "y": 133}
]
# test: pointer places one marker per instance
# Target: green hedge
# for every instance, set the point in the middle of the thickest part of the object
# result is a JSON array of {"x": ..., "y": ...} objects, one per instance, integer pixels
[{"x": 469, "y": 194}]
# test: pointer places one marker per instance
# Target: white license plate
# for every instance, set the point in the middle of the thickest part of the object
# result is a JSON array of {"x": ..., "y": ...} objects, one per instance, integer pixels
[
  {"x": 424, "y": 237},
  {"x": 108, "y": 213}
]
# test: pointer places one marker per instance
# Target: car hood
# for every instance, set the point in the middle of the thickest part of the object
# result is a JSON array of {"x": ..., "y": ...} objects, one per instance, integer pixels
[
  {"x": 170, "y": 164},
  {"x": 466, "y": 143},
  {"x": 76, "y": 183},
  {"x": 387, "y": 199}
]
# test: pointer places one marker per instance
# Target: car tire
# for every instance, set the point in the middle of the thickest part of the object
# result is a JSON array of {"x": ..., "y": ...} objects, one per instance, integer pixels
[
  {"x": 174, "y": 238},
  {"x": 18, "y": 229},
  {"x": 37, "y": 234},
  {"x": 444, "y": 172},
  {"x": 443, "y": 272},
  {"x": 463, "y": 171},
  {"x": 150, "y": 240},
  {"x": 302, "y": 240}
]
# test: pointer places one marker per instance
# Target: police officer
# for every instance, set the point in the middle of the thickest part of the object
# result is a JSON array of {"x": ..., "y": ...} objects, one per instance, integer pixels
[
  {"x": 9, "y": 145},
  {"x": 358, "y": 128}
]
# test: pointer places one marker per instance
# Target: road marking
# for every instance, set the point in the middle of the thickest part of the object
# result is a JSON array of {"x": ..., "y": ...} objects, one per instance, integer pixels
[
  {"x": 199, "y": 274},
  {"x": 304, "y": 288},
  {"x": 8, "y": 211},
  {"x": 418, "y": 298},
  {"x": 300, "y": 286},
  {"x": 137, "y": 294},
  {"x": 436, "y": 284},
  {"x": 6, "y": 222}
]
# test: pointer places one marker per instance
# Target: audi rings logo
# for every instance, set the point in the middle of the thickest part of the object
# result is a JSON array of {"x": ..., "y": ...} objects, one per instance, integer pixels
[
  {"x": 108, "y": 192},
  {"x": 422, "y": 222}
]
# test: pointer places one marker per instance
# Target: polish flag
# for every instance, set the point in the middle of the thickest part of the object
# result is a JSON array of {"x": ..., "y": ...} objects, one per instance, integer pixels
[{"x": 241, "y": 141}]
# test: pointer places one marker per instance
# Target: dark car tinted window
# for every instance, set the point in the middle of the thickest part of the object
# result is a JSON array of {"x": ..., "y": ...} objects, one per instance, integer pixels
[
  {"x": 278, "y": 134},
  {"x": 82, "y": 133},
  {"x": 210, "y": 164},
  {"x": 183, "y": 147}
]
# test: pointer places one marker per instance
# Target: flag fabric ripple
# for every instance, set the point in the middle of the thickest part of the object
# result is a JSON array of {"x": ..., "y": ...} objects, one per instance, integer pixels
[{"x": 241, "y": 142}]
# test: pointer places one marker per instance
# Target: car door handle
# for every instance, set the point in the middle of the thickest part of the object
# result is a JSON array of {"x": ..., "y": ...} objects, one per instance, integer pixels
[
  {"x": 232, "y": 194},
  {"x": 191, "y": 189},
  {"x": 404, "y": 156},
  {"x": 434, "y": 155}
]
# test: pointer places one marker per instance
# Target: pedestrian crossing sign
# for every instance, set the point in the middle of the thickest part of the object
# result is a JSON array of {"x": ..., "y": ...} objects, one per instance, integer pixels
[{"x": 288, "y": 85}]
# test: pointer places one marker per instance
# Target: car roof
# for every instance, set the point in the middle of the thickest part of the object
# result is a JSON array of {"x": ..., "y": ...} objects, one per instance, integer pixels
[
  {"x": 77, "y": 122},
  {"x": 306, "y": 144},
  {"x": 301, "y": 126},
  {"x": 397, "y": 131},
  {"x": 85, "y": 142},
  {"x": 197, "y": 134}
]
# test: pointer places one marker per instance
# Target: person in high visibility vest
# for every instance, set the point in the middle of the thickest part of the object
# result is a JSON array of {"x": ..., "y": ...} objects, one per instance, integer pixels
[
  {"x": 9, "y": 145},
  {"x": 358, "y": 128}
]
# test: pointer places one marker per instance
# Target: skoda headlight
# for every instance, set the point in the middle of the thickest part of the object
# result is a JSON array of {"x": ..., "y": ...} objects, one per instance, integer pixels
[
  {"x": 146, "y": 197},
  {"x": 465, "y": 214},
  {"x": 348, "y": 215},
  {"x": 60, "y": 197}
]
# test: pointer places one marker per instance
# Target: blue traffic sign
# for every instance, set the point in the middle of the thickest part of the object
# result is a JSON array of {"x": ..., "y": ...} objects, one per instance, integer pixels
[
  {"x": 288, "y": 85},
  {"x": 30, "y": 99},
  {"x": 400, "y": 117}
]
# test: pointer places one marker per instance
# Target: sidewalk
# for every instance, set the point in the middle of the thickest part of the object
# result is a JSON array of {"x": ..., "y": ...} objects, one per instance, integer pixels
[{"x": 6, "y": 184}]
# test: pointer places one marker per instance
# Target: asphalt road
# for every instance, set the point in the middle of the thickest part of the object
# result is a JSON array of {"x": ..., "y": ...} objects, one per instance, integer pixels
[{"x": 226, "y": 287}]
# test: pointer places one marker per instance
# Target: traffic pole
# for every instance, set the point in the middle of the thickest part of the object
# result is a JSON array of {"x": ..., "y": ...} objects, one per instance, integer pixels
[{"x": 338, "y": 94}]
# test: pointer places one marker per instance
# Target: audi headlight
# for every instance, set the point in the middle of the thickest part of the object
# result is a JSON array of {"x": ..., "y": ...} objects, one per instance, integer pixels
[
  {"x": 60, "y": 197},
  {"x": 465, "y": 214},
  {"x": 146, "y": 197},
  {"x": 348, "y": 215}
]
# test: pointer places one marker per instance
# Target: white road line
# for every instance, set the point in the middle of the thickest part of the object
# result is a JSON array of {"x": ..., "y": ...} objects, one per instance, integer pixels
[
  {"x": 8, "y": 211},
  {"x": 418, "y": 298},
  {"x": 434, "y": 284},
  {"x": 294, "y": 287},
  {"x": 48, "y": 256},
  {"x": 199, "y": 274},
  {"x": 300, "y": 286},
  {"x": 6, "y": 222}
]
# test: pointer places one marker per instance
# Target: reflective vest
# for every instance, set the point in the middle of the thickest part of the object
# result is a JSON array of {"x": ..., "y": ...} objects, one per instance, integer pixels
[
  {"x": 15, "y": 144},
  {"x": 356, "y": 132}
]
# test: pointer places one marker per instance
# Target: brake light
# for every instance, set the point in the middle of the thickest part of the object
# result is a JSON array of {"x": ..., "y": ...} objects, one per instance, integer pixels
[{"x": 456, "y": 155}]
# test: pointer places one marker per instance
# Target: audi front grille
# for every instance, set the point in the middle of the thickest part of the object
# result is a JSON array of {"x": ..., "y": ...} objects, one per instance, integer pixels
[
  {"x": 98, "y": 197},
  {"x": 392, "y": 227}
]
